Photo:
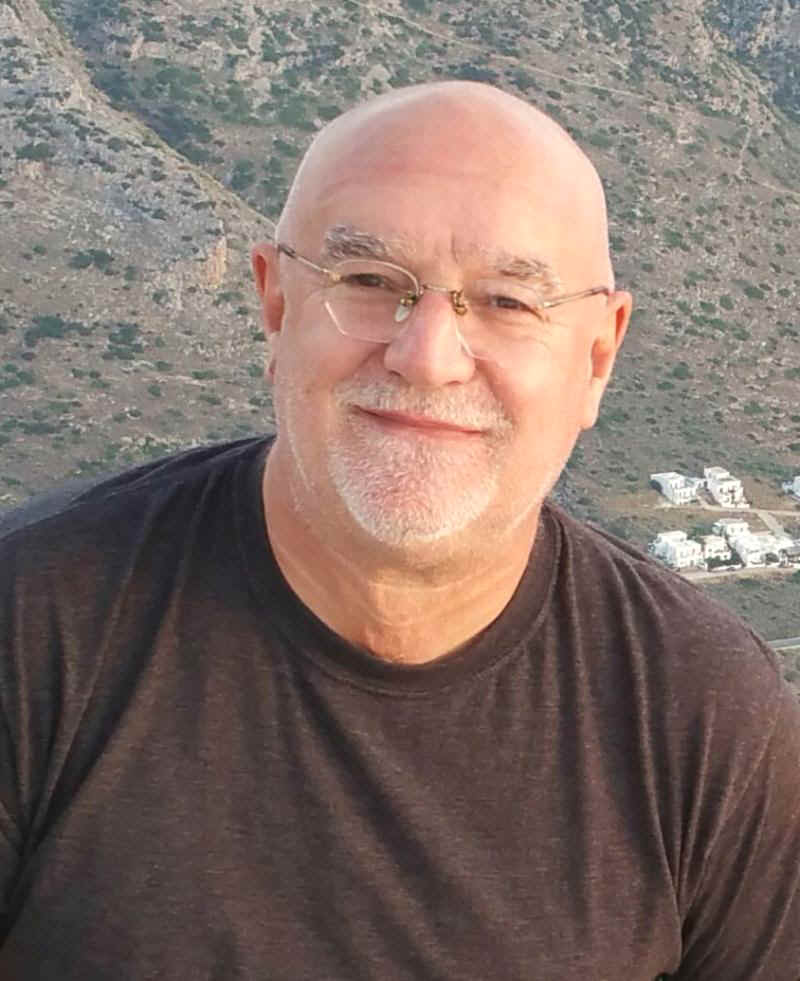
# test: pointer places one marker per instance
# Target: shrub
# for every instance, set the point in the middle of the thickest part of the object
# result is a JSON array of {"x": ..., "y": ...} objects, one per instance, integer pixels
[
  {"x": 243, "y": 175},
  {"x": 681, "y": 370},
  {"x": 98, "y": 258},
  {"x": 36, "y": 151},
  {"x": 153, "y": 30},
  {"x": 674, "y": 239},
  {"x": 52, "y": 326},
  {"x": 81, "y": 260},
  {"x": 600, "y": 139}
]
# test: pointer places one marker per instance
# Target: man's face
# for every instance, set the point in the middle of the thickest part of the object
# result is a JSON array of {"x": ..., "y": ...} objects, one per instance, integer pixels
[{"x": 415, "y": 443}]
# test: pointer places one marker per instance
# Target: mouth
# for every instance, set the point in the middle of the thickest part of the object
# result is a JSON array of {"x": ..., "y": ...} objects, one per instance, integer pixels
[{"x": 424, "y": 424}]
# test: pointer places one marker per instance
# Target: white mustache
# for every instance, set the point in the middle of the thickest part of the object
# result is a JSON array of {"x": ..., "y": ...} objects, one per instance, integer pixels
[{"x": 446, "y": 407}]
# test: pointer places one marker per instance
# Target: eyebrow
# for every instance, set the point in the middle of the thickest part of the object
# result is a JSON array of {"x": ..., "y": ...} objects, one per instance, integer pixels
[
  {"x": 348, "y": 242},
  {"x": 527, "y": 268}
]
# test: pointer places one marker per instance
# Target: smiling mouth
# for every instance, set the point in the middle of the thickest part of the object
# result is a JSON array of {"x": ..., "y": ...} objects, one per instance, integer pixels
[{"x": 407, "y": 420}]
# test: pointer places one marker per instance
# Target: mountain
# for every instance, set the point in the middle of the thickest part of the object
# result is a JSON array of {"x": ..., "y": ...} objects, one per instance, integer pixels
[
  {"x": 123, "y": 325},
  {"x": 765, "y": 36},
  {"x": 145, "y": 144}
]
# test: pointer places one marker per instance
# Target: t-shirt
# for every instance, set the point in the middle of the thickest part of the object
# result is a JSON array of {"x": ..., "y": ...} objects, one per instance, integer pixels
[{"x": 200, "y": 780}]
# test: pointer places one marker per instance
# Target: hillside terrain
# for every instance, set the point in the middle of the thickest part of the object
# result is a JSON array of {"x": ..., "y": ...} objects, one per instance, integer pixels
[{"x": 145, "y": 144}]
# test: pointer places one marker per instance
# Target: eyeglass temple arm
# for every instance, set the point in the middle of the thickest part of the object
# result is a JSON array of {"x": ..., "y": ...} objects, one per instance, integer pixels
[
  {"x": 558, "y": 300},
  {"x": 287, "y": 250}
]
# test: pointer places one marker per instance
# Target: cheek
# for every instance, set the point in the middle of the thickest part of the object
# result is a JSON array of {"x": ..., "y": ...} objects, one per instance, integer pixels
[
  {"x": 311, "y": 360},
  {"x": 541, "y": 390}
]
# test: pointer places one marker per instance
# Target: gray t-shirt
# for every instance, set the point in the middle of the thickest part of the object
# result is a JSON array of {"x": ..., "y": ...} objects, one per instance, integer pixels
[{"x": 198, "y": 779}]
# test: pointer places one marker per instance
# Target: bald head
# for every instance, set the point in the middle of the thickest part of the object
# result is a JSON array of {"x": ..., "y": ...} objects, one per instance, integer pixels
[{"x": 459, "y": 130}]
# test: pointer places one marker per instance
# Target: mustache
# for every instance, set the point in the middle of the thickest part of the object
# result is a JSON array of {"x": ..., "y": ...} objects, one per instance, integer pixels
[{"x": 458, "y": 408}]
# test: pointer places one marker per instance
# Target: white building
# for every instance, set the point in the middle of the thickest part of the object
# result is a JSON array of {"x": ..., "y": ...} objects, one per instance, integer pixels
[
  {"x": 677, "y": 549},
  {"x": 725, "y": 489},
  {"x": 715, "y": 547},
  {"x": 793, "y": 486},
  {"x": 748, "y": 547},
  {"x": 675, "y": 487},
  {"x": 773, "y": 544},
  {"x": 731, "y": 527}
]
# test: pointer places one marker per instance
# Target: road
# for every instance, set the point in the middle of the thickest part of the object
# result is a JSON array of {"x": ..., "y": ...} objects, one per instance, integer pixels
[
  {"x": 769, "y": 519},
  {"x": 785, "y": 645},
  {"x": 738, "y": 512},
  {"x": 767, "y": 516},
  {"x": 693, "y": 575}
]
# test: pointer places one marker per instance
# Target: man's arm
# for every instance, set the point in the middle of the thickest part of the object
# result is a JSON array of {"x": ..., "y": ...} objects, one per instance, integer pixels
[
  {"x": 29, "y": 695},
  {"x": 10, "y": 832},
  {"x": 743, "y": 923}
]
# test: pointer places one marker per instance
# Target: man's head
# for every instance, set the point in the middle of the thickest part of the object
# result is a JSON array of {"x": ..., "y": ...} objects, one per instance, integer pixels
[{"x": 415, "y": 442}]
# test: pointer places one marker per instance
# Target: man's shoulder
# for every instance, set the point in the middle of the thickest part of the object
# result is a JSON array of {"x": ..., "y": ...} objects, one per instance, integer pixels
[
  {"x": 628, "y": 593},
  {"x": 594, "y": 540},
  {"x": 609, "y": 562},
  {"x": 81, "y": 501}
]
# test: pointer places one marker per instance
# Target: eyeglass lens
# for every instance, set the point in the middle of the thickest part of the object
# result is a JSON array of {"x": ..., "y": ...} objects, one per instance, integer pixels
[{"x": 372, "y": 301}]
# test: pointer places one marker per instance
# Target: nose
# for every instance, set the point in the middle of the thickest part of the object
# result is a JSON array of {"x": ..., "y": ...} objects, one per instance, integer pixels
[{"x": 428, "y": 351}]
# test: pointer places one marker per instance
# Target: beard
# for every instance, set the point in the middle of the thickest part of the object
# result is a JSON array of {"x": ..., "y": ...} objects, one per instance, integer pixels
[
  {"x": 410, "y": 490},
  {"x": 415, "y": 488}
]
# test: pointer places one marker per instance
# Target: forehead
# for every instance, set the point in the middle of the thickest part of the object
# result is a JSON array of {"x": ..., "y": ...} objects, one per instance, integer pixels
[
  {"x": 448, "y": 223},
  {"x": 450, "y": 183}
]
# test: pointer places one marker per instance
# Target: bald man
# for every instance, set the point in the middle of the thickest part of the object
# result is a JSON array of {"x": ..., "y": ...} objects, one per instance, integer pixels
[{"x": 357, "y": 701}]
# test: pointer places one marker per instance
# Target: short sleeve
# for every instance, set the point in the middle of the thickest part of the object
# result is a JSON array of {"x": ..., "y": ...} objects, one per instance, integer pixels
[
  {"x": 744, "y": 920},
  {"x": 10, "y": 834}
]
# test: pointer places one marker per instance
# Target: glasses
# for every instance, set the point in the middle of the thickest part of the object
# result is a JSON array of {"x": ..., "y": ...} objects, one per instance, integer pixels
[{"x": 371, "y": 300}]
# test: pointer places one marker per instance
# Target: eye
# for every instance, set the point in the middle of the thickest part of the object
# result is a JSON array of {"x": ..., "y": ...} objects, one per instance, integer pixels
[
  {"x": 368, "y": 281},
  {"x": 514, "y": 304},
  {"x": 507, "y": 300},
  {"x": 508, "y": 303},
  {"x": 363, "y": 276}
]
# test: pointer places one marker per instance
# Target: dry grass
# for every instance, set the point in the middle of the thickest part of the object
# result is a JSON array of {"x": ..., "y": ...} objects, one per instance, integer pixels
[{"x": 768, "y": 603}]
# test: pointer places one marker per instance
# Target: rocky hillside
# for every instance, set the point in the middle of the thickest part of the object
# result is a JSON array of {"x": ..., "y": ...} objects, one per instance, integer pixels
[
  {"x": 123, "y": 328},
  {"x": 766, "y": 36},
  {"x": 144, "y": 145}
]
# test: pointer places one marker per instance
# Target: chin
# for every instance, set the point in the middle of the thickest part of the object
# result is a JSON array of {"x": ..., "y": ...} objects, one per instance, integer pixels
[{"x": 406, "y": 510}]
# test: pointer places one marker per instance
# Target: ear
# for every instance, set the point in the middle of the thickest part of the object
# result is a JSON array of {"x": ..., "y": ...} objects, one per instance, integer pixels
[
  {"x": 606, "y": 343},
  {"x": 264, "y": 259}
]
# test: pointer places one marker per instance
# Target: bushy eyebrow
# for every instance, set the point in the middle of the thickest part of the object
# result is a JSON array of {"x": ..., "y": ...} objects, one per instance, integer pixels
[
  {"x": 348, "y": 242},
  {"x": 529, "y": 269}
]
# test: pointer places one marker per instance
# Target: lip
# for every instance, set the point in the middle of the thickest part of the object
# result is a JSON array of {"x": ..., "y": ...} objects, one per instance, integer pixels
[{"x": 407, "y": 420}]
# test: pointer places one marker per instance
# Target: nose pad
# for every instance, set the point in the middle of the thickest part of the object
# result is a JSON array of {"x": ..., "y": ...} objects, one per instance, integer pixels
[
  {"x": 459, "y": 304},
  {"x": 403, "y": 311},
  {"x": 407, "y": 305}
]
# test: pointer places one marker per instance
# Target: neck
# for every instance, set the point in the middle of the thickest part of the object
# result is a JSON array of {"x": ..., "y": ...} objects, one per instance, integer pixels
[{"x": 390, "y": 603}]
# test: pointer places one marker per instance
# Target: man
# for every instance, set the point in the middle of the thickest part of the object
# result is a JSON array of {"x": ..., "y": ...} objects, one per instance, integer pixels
[{"x": 358, "y": 703}]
